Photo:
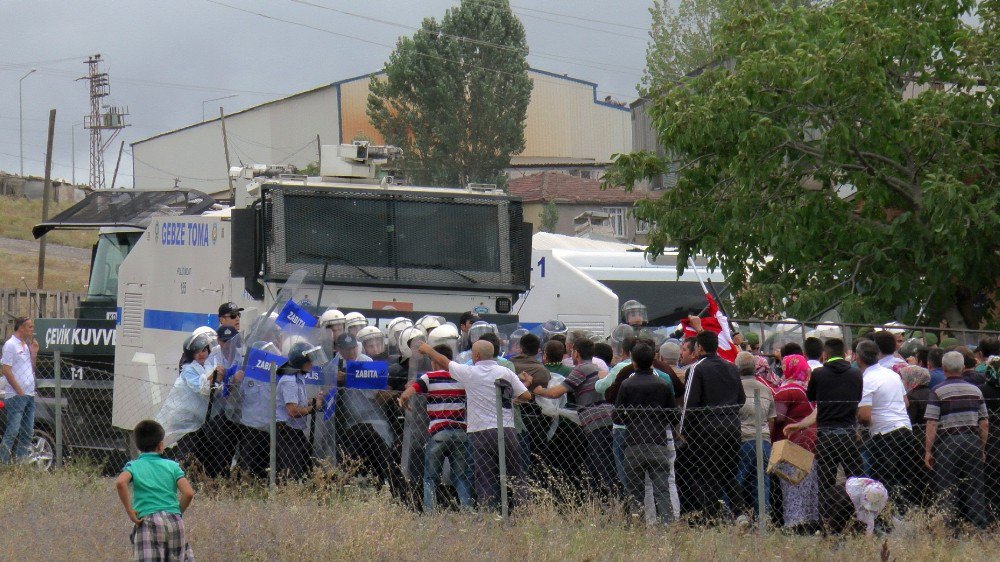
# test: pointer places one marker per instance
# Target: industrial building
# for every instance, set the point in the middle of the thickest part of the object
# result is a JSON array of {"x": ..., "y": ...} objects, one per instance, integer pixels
[{"x": 568, "y": 129}]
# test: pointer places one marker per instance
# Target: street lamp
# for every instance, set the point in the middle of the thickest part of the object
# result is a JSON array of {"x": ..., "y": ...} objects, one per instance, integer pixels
[
  {"x": 214, "y": 99},
  {"x": 20, "y": 109}
]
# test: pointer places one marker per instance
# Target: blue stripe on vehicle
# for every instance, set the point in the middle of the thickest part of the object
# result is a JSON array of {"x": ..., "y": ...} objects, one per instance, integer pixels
[
  {"x": 177, "y": 321},
  {"x": 118, "y": 316}
]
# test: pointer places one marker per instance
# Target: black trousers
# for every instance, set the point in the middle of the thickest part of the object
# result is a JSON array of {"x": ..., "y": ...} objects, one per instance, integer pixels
[
  {"x": 897, "y": 465},
  {"x": 222, "y": 437},
  {"x": 835, "y": 447},
  {"x": 713, "y": 449},
  {"x": 959, "y": 471},
  {"x": 254, "y": 451},
  {"x": 294, "y": 453}
]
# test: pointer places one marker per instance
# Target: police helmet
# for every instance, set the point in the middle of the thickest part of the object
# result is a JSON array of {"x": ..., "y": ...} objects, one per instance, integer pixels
[
  {"x": 197, "y": 342},
  {"x": 407, "y": 338},
  {"x": 372, "y": 340},
  {"x": 332, "y": 317},
  {"x": 300, "y": 354},
  {"x": 353, "y": 319},
  {"x": 551, "y": 328},
  {"x": 429, "y": 322}
]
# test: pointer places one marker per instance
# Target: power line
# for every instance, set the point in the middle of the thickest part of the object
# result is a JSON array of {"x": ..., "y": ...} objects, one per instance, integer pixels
[
  {"x": 578, "y": 18},
  {"x": 568, "y": 24},
  {"x": 140, "y": 82},
  {"x": 373, "y": 42},
  {"x": 527, "y": 52}
]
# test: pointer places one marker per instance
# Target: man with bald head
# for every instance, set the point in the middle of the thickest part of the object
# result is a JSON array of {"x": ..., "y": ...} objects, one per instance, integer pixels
[{"x": 480, "y": 381}]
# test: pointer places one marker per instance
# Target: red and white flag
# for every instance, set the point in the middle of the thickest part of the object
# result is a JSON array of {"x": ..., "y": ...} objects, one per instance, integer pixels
[{"x": 716, "y": 322}]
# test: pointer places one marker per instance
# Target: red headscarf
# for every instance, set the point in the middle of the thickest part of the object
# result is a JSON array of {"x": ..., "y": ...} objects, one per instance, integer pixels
[{"x": 795, "y": 368}]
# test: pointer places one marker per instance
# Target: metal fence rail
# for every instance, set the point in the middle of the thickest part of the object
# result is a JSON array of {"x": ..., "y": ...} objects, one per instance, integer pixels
[{"x": 707, "y": 471}]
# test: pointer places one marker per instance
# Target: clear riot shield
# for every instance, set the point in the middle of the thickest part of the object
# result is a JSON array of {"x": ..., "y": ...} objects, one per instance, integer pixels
[{"x": 415, "y": 418}]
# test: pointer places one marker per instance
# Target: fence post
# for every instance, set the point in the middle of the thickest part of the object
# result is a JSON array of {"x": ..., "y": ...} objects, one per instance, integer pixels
[
  {"x": 57, "y": 366},
  {"x": 273, "y": 430},
  {"x": 502, "y": 454},
  {"x": 759, "y": 438}
]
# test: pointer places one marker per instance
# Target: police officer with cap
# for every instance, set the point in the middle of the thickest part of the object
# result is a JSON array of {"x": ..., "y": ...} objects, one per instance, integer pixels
[{"x": 229, "y": 315}]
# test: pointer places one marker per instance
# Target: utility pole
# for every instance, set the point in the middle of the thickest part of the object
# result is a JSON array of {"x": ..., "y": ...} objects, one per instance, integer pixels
[
  {"x": 117, "y": 162},
  {"x": 110, "y": 117},
  {"x": 46, "y": 195},
  {"x": 225, "y": 145}
]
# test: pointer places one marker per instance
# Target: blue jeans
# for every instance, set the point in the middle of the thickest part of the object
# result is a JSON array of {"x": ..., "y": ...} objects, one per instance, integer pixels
[
  {"x": 20, "y": 425},
  {"x": 452, "y": 444},
  {"x": 746, "y": 476},
  {"x": 617, "y": 439}
]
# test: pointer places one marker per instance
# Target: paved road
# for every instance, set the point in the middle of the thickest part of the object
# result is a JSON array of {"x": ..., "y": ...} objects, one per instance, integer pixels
[{"x": 52, "y": 251}]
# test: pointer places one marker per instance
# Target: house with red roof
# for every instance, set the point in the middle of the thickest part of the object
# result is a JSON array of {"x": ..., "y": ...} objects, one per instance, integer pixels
[{"x": 583, "y": 208}]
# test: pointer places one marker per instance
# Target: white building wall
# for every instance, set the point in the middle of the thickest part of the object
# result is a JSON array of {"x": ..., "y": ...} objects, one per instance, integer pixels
[{"x": 280, "y": 132}]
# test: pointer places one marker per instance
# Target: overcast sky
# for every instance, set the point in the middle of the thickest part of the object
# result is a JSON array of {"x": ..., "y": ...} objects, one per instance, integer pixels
[{"x": 165, "y": 57}]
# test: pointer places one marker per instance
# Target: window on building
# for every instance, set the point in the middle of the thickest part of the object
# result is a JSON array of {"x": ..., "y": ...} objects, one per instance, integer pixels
[
  {"x": 641, "y": 226},
  {"x": 585, "y": 174},
  {"x": 617, "y": 218}
]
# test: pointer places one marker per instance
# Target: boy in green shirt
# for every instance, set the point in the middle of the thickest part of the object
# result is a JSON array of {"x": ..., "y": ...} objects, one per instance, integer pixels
[{"x": 148, "y": 488}]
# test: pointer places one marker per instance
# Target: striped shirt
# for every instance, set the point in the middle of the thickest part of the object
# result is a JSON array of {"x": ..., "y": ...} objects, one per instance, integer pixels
[
  {"x": 957, "y": 405},
  {"x": 593, "y": 410},
  {"x": 445, "y": 400}
]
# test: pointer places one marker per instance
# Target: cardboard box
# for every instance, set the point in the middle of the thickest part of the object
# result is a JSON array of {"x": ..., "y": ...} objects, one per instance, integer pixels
[{"x": 789, "y": 461}]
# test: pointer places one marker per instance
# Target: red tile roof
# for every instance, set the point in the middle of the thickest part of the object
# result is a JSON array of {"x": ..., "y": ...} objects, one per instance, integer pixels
[{"x": 564, "y": 188}]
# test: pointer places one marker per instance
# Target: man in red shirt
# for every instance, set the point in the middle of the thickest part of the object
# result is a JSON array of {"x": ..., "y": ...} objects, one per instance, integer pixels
[{"x": 448, "y": 440}]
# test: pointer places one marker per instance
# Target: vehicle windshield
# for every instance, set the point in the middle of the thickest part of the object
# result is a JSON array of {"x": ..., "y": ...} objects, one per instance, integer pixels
[{"x": 108, "y": 257}]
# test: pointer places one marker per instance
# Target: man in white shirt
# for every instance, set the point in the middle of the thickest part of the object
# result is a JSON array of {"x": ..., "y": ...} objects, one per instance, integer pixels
[
  {"x": 887, "y": 351},
  {"x": 18, "y": 366},
  {"x": 894, "y": 450},
  {"x": 480, "y": 381}
]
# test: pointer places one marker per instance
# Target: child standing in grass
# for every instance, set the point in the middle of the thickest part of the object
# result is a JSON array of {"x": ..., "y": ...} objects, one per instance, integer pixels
[{"x": 148, "y": 488}]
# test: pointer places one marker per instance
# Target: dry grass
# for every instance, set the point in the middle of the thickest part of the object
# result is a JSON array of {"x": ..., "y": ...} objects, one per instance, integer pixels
[
  {"x": 19, "y": 215},
  {"x": 60, "y": 274},
  {"x": 74, "y": 514}
]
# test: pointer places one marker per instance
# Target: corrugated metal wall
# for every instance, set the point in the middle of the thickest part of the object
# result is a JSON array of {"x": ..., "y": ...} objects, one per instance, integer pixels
[
  {"x": 280, "y": 132},
  {"x": 563, "y": 121}
]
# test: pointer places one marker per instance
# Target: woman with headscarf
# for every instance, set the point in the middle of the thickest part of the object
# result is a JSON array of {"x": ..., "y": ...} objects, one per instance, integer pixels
[
  {"x": 800, "y": 502},
  {"x": 764, "y": 373},
  {"x": 991, "y": 394},
  {"x": 917, "y": 384}
]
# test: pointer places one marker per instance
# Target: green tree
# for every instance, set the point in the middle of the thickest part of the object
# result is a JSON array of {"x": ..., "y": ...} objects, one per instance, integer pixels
[
  {"x": 455, "y": 95},
  {"x": 681, "y": 39},
  {"x": 841, "y": 152},
  {"x": 549, "y": 217}
]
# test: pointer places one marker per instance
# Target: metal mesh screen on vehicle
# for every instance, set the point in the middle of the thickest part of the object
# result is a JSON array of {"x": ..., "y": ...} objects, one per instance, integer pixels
[
  {"x": 395, "y": 238},
  {"x": 126, "y": 208}
]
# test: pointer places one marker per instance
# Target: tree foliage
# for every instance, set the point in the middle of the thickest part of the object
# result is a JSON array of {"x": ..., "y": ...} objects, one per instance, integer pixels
[
  {"x": 839, "y": 152},
  {"x": 549, "y": 217},
  {"x": 455, "y": 94},
  {"x": 681, "y": 39}
]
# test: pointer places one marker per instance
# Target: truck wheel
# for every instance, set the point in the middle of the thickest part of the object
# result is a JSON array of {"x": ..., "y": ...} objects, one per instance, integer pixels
[{"x": 42, "y": 451}]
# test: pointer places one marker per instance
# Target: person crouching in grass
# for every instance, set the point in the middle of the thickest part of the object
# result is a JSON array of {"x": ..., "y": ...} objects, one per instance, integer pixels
[{"x": 148, "y": 488}]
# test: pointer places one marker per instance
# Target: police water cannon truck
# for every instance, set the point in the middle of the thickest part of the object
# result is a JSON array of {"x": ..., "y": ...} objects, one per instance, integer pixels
[{"x": 366, "y": 243}]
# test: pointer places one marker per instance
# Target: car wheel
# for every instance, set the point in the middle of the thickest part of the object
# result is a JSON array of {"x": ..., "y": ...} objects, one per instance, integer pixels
[{"x": 42, "y": 451}]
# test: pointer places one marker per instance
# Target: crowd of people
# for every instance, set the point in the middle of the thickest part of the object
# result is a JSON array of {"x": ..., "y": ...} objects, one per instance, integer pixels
[{"x": 614, "y": 417}]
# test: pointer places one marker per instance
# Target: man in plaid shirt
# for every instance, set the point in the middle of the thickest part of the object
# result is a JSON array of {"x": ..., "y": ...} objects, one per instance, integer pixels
[{"x": 148, "y": 488}]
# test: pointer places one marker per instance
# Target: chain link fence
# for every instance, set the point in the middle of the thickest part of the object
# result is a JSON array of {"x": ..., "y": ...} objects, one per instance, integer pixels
[{"x": 703, "y": 466}]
